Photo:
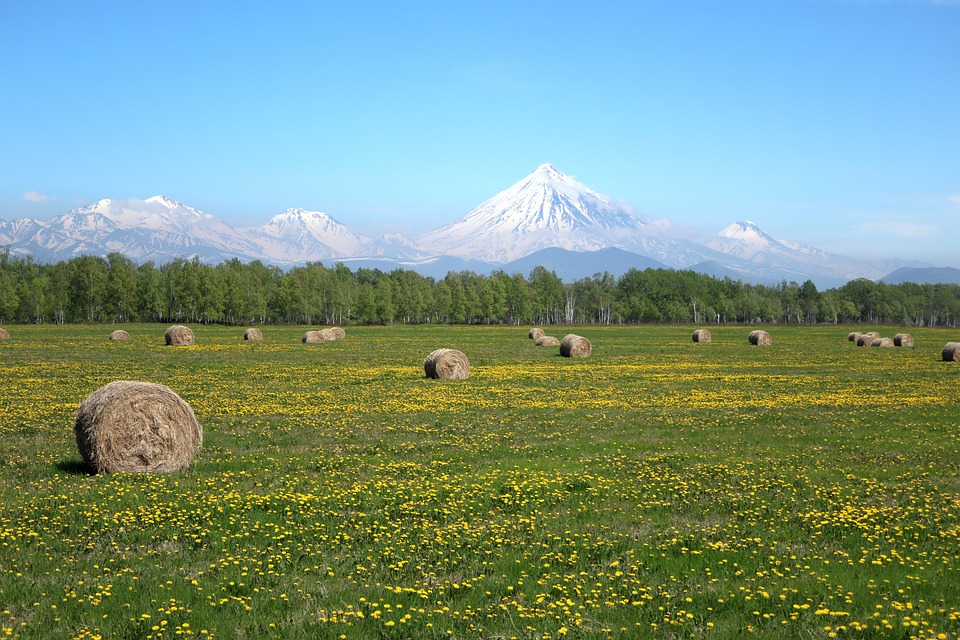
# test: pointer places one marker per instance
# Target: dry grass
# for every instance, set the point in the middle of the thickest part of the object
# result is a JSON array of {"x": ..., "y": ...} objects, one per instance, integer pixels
[
  {"x": 179, "y": 336},
  {"x": 447, "y": 364},
  {"x": 574, "y": 346}
]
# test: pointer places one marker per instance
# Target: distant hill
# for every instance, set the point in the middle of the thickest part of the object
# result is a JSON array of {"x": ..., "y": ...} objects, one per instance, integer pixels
[
  {"x": 919, "y": 275},
  {"x": 576, "y": 265}
]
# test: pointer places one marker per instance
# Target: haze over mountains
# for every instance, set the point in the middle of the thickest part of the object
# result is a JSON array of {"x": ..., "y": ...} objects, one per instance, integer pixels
[{"x": 547, "y": 219}]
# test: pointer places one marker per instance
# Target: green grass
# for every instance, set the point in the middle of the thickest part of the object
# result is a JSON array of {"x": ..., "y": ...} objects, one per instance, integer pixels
[{"x": 659, "y": 488}]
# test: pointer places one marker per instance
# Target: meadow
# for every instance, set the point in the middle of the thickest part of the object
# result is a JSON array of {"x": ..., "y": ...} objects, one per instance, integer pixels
[{"x": 659, "y": 488}]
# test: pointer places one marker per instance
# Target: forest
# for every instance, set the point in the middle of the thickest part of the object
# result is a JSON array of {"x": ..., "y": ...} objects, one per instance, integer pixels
[{"x": 116, "y": 290}]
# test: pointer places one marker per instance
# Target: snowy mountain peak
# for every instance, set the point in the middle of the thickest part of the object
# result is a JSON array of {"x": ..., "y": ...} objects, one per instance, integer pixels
[
  {"x": 747, "y": 232},
  {"x": 165, "y": 201}
]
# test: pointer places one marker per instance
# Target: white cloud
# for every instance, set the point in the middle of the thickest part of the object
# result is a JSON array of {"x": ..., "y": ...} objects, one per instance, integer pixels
[{"x": 36, "y": 196}]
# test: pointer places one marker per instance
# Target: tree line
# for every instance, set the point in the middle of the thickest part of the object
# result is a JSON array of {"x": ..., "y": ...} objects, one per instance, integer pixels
[{"x": 116, "y": 290}]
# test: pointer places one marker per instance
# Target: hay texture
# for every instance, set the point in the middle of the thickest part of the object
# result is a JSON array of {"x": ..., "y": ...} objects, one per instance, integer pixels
[
  {"x": 338, "y": 332},
  {"x": 903, "y": 340},
  {"x": 853, "y": 336},
  {"x": 547, "y": 341},
  {"x": 535, "y": 333},
  {"x": 313, "y": 337},
  {"x": 179, "y": 336},
  {"x": 253, "y": 334},
  {"x": 574, "y": 346},
  {"x": 329, "y": 335},
  {"x": 866, "y": 339},
  {"x": 702, "y": 335},
  {"x": 951, "y": 352},
  {"x": 761, "y": 338},
  {"x": 447, "y": 364},
  {"x": 3, "y": 334},
  {"x": 881, "y": 342},
  {"x": 136, "y": 426},
  {"x": 119, "y": 334}
]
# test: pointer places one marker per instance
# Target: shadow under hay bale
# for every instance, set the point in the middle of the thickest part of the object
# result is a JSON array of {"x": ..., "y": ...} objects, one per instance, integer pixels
[
  {"x": 535, "y": 333},
  {"x": 136, "y": 426},
  {"x": 313, "y": 337},
  {"x": 119, "y": 334},
  {"x": 866, "y": 339},
  {"x": 547, "y": 341},
  {"x": 881, "y": 342},
  {"x": 903, "y": 340},
  {"x": 760, "y": 338},
  {"x": 951, "y": 352},
  {"x": 253, "y": 334},
  {"x": 574, "y": 346},
  {"x": 702, "y": 335},
  {"x": 447, "y": 364},
  {"x": 4, "y": 335},
  {"x": 179, "y": 336}
]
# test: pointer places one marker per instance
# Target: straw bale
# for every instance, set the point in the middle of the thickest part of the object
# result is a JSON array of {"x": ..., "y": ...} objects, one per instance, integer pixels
[
  {"x": 136, "y": 426},
  {"x": 903, "y": 340},
  {"x": 574, "y": 346},
  {"x": 535, "y": 333},
  {"x": 759, "y": 337},
  {"x": 702, "y": 335},
  {"x": 881, "y": 342},
  {"x": 3, "y": 334},
  {"x": 119, "y": 334},
  {"x": 547, "y": 341},
  {"x": 447, "y": 364},
  {"x": 179, "y": 336},
  {"x": 329, "y": 335},
  {"x": 313, "y": 337},
  {"x": 866, "y": 339},
  {"x": 951, "y": 351},
  {"x": 853, "y": 336},
  {"x": 253, "y": 334}
]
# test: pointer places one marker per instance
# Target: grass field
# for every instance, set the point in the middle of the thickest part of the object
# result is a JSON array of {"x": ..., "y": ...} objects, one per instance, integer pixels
[{"x": 659, "y": 488}]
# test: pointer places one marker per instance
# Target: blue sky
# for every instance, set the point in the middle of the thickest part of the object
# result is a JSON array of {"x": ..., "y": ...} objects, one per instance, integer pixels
[{"x": 830, "y": 122}]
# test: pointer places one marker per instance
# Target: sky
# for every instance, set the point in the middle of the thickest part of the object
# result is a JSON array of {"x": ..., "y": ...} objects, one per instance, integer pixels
[{"x": 835, "y": 123}]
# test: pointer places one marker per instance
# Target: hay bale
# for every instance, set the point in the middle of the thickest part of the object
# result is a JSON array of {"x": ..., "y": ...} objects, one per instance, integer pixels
[
  {"x": 313, "y": 337},
  {"x": 253, "y": 334},
  {"x": 547, "y": 341},
  {"x": 759, "y": 337},
  {"x": 3, "y": 334},
  {"x": 329, "y": 335},
  {"x": 903, "y": 340},
  {"x": 951, "y": 351},
  {"x": 574, "y": 346},
  {"x": 536, "y": 333},
  {"x": 136, "y": 426},
  {"x": 179, "y": 336},
  {"x": 702, "y": 335},
  {"x": 881, "y": 342},
  {"x": 338, "y": 332},
  {"x": 866, "y": 339},
  {"x": 853, "y": 336},
  {"x": 119, "y": 334},
  {"x": 447, "y": 364}
]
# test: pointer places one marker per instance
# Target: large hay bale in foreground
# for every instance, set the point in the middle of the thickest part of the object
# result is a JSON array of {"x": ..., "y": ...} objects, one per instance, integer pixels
[
  {"x": 866, "y": 339},
  {"x": 881, "y": 342},
  {"x": 3, "y": 334},
  {"x": 702, "y": 335},
  {"x": 447, "y": 364},
  {"x": 136, "y": 426},
  {"x": 179, "y": 336},
  {"x": 853, "y": 336},
  {"x": 313, "y": 337},
  {"x": 119, "y": 334},
  {"x": 253, "y": 334},
  {"x": 547, "y": 341},
  {"x": 760, "y": 337},
  {"x": 574, "y": 346},
  {"x": 903, "y": 340},
  {"x": 535, "y": 333},
  {"x": 951, "y": 351}
]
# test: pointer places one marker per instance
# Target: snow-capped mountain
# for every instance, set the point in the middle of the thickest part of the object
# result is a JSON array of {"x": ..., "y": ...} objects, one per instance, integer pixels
[{"x": 298, "y": 236}]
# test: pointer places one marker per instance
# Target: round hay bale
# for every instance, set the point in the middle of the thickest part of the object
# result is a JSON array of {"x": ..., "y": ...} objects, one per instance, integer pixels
[
  {"x": 119, "y": 334},
  {"x": 866, "y": 339},
  {"x": 136, "y": 426},
  {"x": 535, "y": 333},
  {"x": 313, "y": 337},
  {"x": 853, "y": 336},
  {"x": 574, "y": 346},
  {"x": 951, "y": 351},
  {"x": 253, "y": 334},
  {"x": 881, "y": 342},
  {"x": 903, "y": 340},
  {"x": 447, "y": 364},
  {"x": 547, "y": 341},
  {"x": 179, "y": 336},
  {"x": 3, "y": 334},
  {"x": 338, "y": 332},
  {"x": 702, "y": 335},
  {"x": 329, "y": 335},
  {"x": 759, "y": 337}
]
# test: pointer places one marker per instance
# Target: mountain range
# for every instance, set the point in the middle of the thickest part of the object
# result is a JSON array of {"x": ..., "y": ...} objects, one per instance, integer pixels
[{"x": 547, "y": 219}]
